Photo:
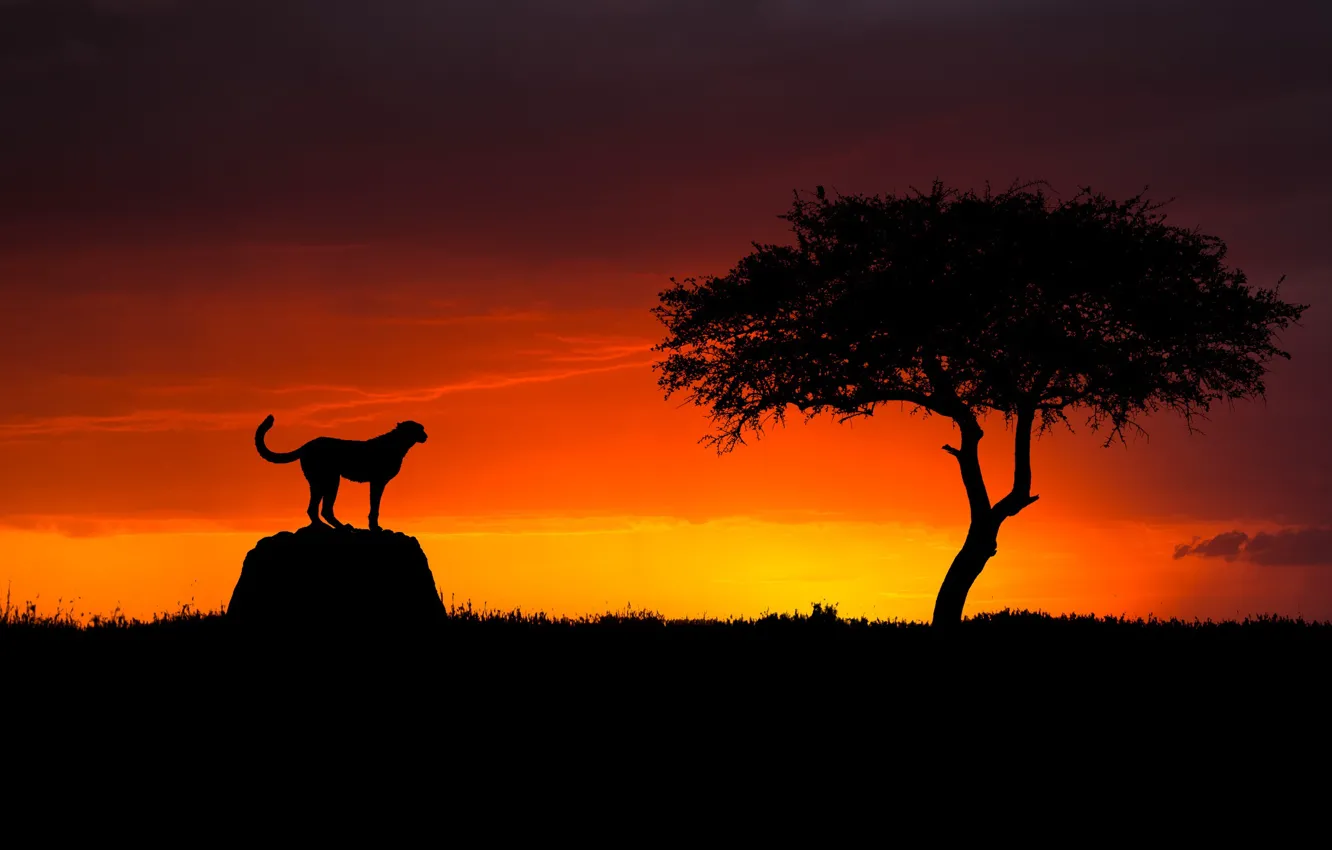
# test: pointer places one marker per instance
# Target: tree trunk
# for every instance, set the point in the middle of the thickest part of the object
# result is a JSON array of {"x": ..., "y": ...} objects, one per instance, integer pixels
[
  {"x": 983, "y": 535},
  {"x": 980, "y": 546}
]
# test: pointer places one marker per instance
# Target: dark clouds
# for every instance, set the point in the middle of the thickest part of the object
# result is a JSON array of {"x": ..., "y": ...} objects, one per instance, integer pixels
[
  {"x": 598, "y": 127},
  {"x": 1287, "y": 547},
  {"x": 1224, "y": 545}
]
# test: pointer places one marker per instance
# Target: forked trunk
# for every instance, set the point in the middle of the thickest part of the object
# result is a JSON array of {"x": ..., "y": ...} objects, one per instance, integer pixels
[
  {"x": 966, "y": 568},
  {"x": 982, "y": 536}
]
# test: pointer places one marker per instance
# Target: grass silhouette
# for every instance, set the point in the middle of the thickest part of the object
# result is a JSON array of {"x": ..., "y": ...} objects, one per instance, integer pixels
[
  {"x": 821, "y": 625},
  {"x": 497, "y": 698}
]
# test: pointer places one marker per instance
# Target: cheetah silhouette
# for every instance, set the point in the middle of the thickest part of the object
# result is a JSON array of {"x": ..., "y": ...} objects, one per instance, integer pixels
[{"x": 327, "y": 460}]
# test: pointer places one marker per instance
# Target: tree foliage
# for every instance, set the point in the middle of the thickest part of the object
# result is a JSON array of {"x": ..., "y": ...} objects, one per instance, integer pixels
[{"x": 959, "y": 303}]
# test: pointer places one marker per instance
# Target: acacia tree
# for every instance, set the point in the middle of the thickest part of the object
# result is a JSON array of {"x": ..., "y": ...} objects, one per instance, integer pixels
[{"x": 1017, "y": 306}]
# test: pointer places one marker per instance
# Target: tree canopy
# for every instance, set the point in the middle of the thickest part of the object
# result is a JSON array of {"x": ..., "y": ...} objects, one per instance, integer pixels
[
  {"x": 962, "y": 304},
  {"x": 959, "y": 303}
]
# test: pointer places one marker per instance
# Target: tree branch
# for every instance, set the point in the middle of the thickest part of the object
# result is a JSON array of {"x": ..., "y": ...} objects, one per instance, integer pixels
[
  {"x": 1020, "y": 496},
  {"x": 968, "y": 461},
  {"x": 877, "y": 397}
]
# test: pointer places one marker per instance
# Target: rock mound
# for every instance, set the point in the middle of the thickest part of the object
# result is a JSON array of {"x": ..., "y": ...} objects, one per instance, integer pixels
[{"x": 345, "y": 579}]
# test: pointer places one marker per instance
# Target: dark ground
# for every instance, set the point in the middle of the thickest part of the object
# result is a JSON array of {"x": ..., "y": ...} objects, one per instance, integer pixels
[
  {"x": 1013, "y": 705},
  {"x": 680, "y": 672}
]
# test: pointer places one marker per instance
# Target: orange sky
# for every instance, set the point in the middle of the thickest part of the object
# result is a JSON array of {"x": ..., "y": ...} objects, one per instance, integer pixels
[
  {"x": 453, "y": 222},
  {"x": 556, "y": 477}
]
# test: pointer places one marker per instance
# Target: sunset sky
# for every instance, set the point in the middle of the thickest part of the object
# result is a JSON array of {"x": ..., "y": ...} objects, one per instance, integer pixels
[{"x": 351, "y": 213}]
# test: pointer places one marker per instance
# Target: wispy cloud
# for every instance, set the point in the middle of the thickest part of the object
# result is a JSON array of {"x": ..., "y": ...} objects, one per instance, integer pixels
[
  {"x": 1299, "y": 546},
  {"x": 173, "y": 419},
  {"x": 106, "y": 525},
  {"x": 306, "y": 247},
  {"x": 464, "y": 318},
  {"x": 428, "y": 394},
  {"x": 294, "y": 389},
  {"x": 584, "y": 349},
  {"x": 478, "y": 525},
  {"x": 133, "y": 422},
  {"x": 592, "y": 349}
]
